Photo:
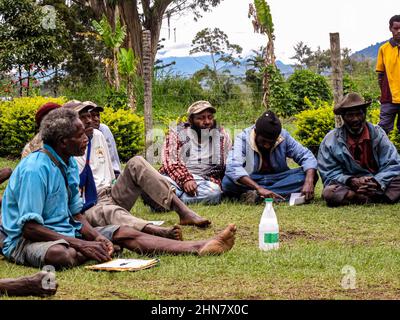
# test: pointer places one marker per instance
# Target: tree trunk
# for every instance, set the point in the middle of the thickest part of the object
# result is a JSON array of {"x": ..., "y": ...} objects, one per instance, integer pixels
[
  {"x": 337, "y": 73},
  {"x": 116, "y": 73},
  {"x": 20, "y": 80},
  {"x": 28, "y": 83},
  {"x": 147, "y": 77},
  {"x": 269, "y": 60},
  {"x": 55, "y": 82},
  {"x": 131, "y": 95}
]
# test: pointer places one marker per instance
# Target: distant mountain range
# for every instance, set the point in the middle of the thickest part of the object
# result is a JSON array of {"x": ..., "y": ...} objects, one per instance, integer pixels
[
  {"x": 370, "y": 52},
  {"x": 186, "y": 66}
]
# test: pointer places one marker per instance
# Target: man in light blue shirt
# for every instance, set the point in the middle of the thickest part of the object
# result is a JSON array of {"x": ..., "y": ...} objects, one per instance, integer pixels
[{"x": 41, "y": 208}]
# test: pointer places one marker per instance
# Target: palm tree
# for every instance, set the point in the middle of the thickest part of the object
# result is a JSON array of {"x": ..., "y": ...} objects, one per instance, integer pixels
[{"x": 113, "y": 40}]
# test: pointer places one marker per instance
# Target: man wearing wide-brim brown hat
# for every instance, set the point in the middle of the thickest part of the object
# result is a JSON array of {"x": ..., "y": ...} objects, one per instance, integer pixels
[
  {"x": 349, "y": 102},
  {"x": 357, "y": 162}
]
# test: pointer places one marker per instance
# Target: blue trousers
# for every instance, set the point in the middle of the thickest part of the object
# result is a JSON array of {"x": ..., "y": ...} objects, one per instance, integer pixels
[{"x": 283, "y": 183}]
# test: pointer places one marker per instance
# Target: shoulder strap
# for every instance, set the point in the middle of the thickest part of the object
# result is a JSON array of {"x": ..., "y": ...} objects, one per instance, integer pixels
[
  {"x": 89, "y": 147},
  {"x": 58, "y": 164}
]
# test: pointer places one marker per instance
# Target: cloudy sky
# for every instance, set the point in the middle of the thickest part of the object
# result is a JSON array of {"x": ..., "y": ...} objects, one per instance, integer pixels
[{"x": 359, "y": 22}]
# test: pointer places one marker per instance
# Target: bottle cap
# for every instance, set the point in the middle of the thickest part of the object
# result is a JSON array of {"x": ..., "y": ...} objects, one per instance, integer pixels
[{"x": 268, "y": 200}]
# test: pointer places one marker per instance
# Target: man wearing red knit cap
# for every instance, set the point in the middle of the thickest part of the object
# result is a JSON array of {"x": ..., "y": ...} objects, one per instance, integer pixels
[{"x": 36, "y": 143}]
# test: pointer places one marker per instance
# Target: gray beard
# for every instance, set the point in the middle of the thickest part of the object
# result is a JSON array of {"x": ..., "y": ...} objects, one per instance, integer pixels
[{"x": 354, "y": 133}]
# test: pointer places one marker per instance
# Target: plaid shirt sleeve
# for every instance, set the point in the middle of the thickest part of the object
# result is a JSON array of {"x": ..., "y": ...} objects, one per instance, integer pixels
[{"x": 172, "y": 165}]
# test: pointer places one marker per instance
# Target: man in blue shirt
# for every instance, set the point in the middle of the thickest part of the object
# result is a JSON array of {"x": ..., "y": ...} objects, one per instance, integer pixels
[
  {"x": 256, "y": 167},
  {"x": 41, "y": 208}
]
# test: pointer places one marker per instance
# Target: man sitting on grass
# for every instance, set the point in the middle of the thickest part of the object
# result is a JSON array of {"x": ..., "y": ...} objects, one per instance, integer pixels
[
  {"x": 194, "y": 155},
  {"x": 357, "y": 162},
  {"x": 109, "y": 196},
  {"x": 42, "y": 208},
  {"x": 24, "y": 286},
  {"x": 105, "y": 130},
  {"x": 256, "y": 167}
]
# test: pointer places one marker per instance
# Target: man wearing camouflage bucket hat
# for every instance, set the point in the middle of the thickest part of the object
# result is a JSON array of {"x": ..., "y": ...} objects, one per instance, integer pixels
[
  {"x": 357, "y": 162},
  {"x": 193, "y": 156}
]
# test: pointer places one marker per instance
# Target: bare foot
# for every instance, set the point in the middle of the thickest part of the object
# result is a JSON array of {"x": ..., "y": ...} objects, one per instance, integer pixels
[
  {"x": 171, "y": 233},
  {"x": 222, "y": 242},
  {"x": 41, "y": 284},
  {"x": 192, "y": 219}
]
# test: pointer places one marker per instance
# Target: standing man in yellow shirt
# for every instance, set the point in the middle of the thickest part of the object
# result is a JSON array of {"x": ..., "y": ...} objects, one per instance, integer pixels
[{"x": 388, "y": 69}]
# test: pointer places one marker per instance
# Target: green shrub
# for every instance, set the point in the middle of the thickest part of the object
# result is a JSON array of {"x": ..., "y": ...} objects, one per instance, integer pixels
[
  {"x": 17, "y": 123},
  {"x": 313, "y": 125},
  {"x": 373, "y": 115},
  {"x": 282, "y": 100},
  {"x": 128, "y": 131},
  {"x": 307, "y": 84}
]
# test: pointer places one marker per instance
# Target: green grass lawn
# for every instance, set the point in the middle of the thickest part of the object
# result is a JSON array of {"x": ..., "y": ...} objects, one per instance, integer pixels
[{"x": 316, "y": 242}]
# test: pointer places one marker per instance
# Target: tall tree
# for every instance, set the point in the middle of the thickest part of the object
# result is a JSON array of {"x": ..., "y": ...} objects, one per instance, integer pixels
[
  {"x": 30, "y": 41},
  {"x": 262, "y": 23},
  {"x": 302, "y": 55},
  {"x": 215, "y": 42},
  {"x": 146, "y": 15}
]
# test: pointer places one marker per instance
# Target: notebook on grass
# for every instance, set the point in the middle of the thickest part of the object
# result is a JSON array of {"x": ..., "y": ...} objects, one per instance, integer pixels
[{"x": 125, "y": 265}]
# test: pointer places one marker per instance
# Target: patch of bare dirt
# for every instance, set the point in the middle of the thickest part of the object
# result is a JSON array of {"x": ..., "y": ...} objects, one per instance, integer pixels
[{"x": 294, "y": 234}]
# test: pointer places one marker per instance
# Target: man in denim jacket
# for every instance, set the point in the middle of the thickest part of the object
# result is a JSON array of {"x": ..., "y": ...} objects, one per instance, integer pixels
[
  {"x": 357, "y": 162},
  {"x": 256, "y": 166}
]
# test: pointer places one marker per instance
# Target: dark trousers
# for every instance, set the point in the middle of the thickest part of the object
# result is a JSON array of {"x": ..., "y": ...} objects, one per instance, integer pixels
[
  {"x": 336, "y": 195},
  {"x": 388, "y": 114}
]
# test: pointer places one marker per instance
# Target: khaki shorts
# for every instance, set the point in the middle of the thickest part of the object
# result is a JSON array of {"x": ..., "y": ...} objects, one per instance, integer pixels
[{"x": 33, "y": 254}]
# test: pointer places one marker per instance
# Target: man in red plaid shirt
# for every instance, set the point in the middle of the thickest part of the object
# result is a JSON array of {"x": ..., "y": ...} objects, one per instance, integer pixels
[{"x": 194, "y": 155}]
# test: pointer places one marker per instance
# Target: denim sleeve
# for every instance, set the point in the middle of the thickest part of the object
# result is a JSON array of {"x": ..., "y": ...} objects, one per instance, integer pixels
[
  {"x": 328, "y": 166},
  {"x": 237, "y": 159},
  {"x": 301, "y": 155},
  {"x": 389, "y": 160}
]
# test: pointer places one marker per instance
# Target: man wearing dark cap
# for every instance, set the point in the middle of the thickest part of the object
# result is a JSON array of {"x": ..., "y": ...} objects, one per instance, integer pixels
[
  {"x": 194, "y": 153},
  {"x": 256, "y": 166},
  {"x": 36, "y": 143},
  {"x": 105, "y": 130},
  {"x": 357, "y": 162}
]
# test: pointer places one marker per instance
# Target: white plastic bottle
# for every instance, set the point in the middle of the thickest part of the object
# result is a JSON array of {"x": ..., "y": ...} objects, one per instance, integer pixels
[{"x": 268, "y": 229}]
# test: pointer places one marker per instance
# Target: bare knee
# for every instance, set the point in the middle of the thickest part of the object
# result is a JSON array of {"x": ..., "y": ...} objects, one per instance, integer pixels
[
  {"x": 136, "y": 160},
  {"x": 61, "y": 256}
]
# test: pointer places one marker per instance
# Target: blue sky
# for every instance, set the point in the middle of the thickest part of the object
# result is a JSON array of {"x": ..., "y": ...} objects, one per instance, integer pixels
[{"x": 360, "y": 24}]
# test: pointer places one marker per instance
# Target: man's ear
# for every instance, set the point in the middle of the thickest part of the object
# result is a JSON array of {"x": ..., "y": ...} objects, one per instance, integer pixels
[{"x": 62, "y": 142}]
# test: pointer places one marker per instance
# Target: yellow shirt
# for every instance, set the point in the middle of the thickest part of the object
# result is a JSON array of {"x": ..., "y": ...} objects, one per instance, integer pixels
[{"x": 389, "y": 62}]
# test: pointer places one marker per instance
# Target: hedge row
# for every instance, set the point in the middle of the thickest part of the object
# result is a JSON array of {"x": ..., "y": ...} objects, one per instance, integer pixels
[{"x": 17, "y": 126}]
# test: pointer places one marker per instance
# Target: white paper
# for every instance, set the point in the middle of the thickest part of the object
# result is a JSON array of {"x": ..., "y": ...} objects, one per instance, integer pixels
[
  {"x": 296, "y": 199},
  {"x": 157, "y": 223},
  {"x": 126, "y": 264}
]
